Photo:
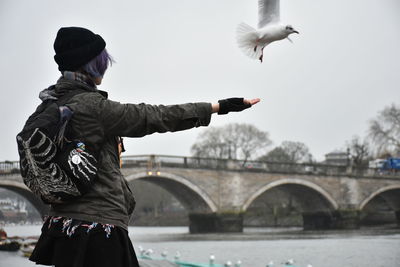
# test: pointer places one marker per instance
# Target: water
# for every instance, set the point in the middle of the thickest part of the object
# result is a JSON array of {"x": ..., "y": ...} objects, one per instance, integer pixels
[{"x": 255, "y": 247}]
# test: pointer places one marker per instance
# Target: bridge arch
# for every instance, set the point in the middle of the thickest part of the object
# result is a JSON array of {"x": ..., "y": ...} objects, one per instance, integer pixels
[
  {"x": 379, "y": 192},
  {"x": 22, "y": 189},
  {"x": 189, "y": 194},
  {"x": 290, "y": 181}
]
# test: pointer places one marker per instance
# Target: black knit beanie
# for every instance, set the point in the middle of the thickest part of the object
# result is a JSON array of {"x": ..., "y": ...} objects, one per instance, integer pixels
[{"x": 75, "y": 47}]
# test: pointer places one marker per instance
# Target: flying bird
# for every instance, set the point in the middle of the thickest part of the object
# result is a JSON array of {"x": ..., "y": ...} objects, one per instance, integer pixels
[{"x": 253, "y": 41}]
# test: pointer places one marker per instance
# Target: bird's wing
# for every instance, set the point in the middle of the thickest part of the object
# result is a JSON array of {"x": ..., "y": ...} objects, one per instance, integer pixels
[{"x": 268, "y": 12}]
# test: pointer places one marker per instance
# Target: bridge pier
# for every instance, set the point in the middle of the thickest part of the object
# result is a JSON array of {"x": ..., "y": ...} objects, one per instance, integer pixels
[
  {"x": 319, "y": 220},
  {"x": 215, "y": 222},
  {"x": 339, "y": 219},
  {"x": 346, "y": 219},
  {"x": 398, "y": 217}
]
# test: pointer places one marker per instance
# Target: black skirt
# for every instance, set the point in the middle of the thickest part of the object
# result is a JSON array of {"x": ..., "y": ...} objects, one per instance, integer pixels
[{"x": 67, "y": 242}]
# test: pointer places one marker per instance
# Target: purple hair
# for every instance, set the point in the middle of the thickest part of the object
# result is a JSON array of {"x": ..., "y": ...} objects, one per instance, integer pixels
[{"x": 98, "y": 66}]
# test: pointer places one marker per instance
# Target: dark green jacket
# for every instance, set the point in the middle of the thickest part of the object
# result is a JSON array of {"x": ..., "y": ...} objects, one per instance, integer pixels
[{"x": 98, "y": 122}]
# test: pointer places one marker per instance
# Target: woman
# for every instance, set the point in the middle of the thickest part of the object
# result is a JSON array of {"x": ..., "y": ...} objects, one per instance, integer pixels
[{"x": 92, "y": 230}]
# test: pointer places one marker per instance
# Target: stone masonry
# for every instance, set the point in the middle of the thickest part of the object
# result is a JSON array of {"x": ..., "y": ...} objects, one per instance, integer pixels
[{"x": 217, "y": 199}]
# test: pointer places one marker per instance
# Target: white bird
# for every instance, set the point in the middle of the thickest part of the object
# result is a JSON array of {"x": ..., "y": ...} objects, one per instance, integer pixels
[
  {"x": 253, "y": 41},
  {"x": 212, "y": 259},
  {"x": 164, "y": 254},
  {"x": 289, "y": 262},
  {"x": 177, "y": 256},
  {"x": 148, "y": 252}
]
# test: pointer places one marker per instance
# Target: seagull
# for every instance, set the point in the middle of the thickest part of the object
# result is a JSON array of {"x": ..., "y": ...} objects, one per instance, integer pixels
[
  {"x": 164, "y": 254},
  {"x": 289, "y": 262},
  {"x": 148, "y": 252},
  {"x": 212, "y": 259},
  {"x": 253, "y": 41}
]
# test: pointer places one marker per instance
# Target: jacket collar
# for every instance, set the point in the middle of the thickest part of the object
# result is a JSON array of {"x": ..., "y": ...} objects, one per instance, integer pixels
[{"x": 67, "y": 83}]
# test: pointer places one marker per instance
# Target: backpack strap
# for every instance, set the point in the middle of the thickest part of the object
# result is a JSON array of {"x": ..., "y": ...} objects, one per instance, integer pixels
[{"x": 65, "y": 115}]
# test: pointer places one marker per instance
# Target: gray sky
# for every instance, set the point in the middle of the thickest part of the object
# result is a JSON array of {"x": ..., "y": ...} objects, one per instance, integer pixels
[{"x": 321, "y": 90}]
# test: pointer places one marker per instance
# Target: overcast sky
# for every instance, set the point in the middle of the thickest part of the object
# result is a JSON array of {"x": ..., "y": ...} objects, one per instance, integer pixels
[{"x": 323, "y": 89}]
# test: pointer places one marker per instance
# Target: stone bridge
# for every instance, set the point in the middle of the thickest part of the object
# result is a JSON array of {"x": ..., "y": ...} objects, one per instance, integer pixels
[{"x": 217, "y": 193}]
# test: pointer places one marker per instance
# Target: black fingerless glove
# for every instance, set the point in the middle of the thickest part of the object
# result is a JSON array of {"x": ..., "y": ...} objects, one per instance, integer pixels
[{"x": 231, "y": 104}]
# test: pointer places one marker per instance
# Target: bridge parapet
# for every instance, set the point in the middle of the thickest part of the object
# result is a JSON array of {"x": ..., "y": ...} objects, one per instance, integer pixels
[
  {"x": 9, "y": 167},
  {"x": 155, "y": 162}
]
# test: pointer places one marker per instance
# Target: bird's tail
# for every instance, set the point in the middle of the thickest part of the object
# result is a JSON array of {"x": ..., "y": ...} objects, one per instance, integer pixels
[{"x": 247, "y": 39}]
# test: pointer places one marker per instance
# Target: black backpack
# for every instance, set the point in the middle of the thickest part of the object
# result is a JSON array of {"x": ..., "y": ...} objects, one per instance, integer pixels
[{"x": 55, "y": 169}]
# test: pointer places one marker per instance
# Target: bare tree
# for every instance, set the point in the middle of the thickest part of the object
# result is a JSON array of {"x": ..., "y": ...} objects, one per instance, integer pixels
[
  {"x": 384, "y": 131},
  {"x": 278, "y": 154},
  {"x": 234, "y": 141},
  {"x": 290, "y": 152},
  {"x": 298, "y": 152},
  {"x": 359, "y": 151},
  {"x": 210, "y": 143}
]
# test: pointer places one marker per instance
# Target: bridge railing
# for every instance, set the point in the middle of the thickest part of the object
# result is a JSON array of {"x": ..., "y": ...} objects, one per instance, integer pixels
[
  {"x": 9, "y": 167},
  {"x": 156, "y": 162}
]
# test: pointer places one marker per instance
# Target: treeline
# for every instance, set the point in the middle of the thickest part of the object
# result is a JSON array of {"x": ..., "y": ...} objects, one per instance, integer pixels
[{"x": 247, "y": 142}]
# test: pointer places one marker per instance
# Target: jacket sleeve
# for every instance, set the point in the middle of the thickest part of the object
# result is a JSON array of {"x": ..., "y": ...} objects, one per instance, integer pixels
[{"x": 136, "y": 120}]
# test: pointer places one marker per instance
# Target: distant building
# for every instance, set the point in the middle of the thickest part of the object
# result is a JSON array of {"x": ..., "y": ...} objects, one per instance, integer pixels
[{"x": 338, "y": 158}]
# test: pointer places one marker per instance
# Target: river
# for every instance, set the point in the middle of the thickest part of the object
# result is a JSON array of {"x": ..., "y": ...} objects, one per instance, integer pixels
[{"x": 256, "y": 246}]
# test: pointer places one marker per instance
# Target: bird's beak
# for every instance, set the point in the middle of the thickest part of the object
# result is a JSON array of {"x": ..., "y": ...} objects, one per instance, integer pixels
[{"x": 296, "y": 32}]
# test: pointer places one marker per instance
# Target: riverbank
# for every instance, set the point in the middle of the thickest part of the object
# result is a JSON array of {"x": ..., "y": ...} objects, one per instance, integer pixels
[{"x": 259, "y": 234}]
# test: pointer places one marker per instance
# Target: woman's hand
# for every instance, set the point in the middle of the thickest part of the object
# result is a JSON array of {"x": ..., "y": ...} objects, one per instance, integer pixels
[
  {"x": 233, "y": 104},
  {"x": 251, "y": 101}
]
